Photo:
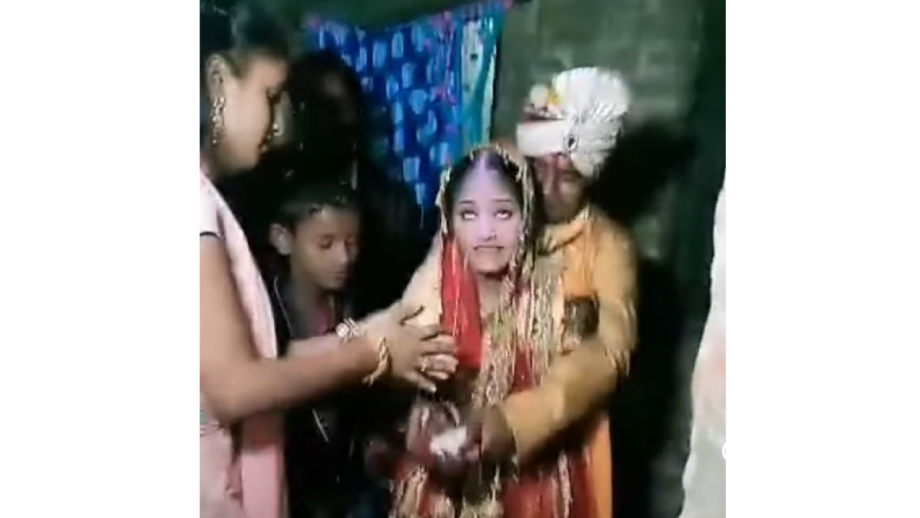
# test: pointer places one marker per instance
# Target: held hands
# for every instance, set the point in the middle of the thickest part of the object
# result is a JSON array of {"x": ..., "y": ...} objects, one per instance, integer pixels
[
  {"x": 459, "y": 451},
  {"x": 491, "y": 439},
  {"x": 419, "y": 355},
  {"x": 428, "y": 423}
]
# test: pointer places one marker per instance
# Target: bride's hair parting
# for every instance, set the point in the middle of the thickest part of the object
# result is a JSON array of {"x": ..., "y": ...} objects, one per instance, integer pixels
[{"x": 487, "y": 158}]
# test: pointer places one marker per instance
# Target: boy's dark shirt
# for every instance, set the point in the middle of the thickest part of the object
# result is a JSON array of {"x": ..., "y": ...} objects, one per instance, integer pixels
[{"x": 321, "y": 474}]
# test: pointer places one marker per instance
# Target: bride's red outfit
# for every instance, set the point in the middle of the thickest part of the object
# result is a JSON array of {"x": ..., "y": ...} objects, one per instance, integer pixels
[{"x": 523, "y": 360}]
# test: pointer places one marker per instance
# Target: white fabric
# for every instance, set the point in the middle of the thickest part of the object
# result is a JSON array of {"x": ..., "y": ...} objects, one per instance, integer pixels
[
  {"x": 581, "y": 115},
  {"x": 588, "y": 144},
  {"x": 208, "y": 220},
  {"x": 704, "y": 476}
]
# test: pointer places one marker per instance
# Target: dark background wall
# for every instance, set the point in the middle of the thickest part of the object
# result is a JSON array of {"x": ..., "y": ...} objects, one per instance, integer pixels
[{"x": 662, "y": 181}]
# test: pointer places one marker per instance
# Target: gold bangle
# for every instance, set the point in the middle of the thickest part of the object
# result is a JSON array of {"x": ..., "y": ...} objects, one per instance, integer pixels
[
  {"x": 348, "y": 330},
  {"x": 383, "y": 363}
]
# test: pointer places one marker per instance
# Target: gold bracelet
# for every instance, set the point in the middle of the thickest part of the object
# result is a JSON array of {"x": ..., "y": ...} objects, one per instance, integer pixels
[
  {"x": 383, "y": 363},
  {"x": 348, "y": 330}
]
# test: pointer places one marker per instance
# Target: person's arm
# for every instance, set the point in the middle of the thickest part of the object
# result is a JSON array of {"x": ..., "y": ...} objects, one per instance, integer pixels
[
  {"x": 235, "y": 381},
  {"x": 578, "y": 381}
]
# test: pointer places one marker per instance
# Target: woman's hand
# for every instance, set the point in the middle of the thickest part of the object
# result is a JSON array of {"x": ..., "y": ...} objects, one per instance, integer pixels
[{"x": 419, "y": 355}]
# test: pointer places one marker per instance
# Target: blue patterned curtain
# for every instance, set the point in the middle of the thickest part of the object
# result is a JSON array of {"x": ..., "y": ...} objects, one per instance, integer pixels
[{"x": 430, "y": 84}]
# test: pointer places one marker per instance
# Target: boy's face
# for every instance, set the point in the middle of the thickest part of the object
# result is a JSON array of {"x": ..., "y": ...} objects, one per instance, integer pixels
[{"x": 323, "y": 247}]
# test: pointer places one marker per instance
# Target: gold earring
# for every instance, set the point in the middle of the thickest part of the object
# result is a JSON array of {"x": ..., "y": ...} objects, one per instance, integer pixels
[{"x": 217, "y": 119}]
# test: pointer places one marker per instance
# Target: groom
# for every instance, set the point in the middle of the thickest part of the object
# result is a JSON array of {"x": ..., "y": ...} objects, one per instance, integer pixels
[{"x": 569, "y": 129}]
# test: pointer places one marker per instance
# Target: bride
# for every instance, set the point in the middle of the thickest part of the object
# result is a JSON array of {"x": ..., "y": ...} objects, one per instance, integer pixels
[{"x": 505, "y": 308}]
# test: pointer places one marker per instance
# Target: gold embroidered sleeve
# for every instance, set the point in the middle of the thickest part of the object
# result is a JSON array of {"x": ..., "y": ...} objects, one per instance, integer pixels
[
  {"x": 582, "y": 379},
  {"x": 615, "y": 284}
]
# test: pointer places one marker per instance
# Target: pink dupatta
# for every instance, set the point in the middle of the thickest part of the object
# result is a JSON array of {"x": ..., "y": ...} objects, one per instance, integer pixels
[{"x": 250, "y": 484}]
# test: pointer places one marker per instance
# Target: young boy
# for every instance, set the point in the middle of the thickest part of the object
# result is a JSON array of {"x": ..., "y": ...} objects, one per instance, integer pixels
[{"x": 315, "y": 232}]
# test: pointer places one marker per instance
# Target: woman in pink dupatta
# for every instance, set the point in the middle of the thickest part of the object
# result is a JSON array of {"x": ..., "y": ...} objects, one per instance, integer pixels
[
  {"x": 222, "y": 477},
  {"x": 243, "y": 384}
]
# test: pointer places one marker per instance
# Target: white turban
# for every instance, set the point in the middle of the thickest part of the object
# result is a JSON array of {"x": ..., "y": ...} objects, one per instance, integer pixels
[{"x": 579, "y": 114}]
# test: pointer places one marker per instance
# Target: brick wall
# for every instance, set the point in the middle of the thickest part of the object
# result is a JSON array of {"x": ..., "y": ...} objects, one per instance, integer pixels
[{"x": 653, "y": 42}]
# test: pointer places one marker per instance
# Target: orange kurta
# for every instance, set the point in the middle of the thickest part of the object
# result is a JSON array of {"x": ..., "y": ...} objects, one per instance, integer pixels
[{"x": 598, "y": 261}]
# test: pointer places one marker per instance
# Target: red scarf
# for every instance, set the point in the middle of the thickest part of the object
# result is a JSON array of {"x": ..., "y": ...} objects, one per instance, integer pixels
[{"x": 460, "y": 314}]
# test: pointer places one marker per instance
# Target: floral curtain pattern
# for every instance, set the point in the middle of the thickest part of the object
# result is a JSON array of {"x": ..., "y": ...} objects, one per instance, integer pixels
[{"x": 430, "y": 84}]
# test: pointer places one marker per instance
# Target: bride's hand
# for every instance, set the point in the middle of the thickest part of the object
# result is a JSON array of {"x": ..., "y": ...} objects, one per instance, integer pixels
[
  {"x": 419, "y": 355},
  {"x": 427, "y": 422}
]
